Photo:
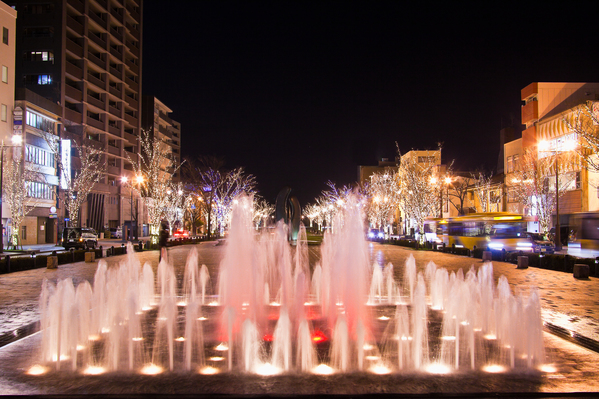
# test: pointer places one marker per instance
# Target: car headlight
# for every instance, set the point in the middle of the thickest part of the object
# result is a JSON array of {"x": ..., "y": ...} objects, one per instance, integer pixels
[
  {"x": 381, "y": 235},
  {"x": 370, "y": 235},
  {"x": 495, "y": 245}
]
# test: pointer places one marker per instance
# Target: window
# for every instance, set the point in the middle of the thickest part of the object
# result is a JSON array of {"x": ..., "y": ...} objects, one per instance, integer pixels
[
  {"x": 515, "y": 160},
  {"x": 3, "y": 113},
  {"x": 511, "y": 195},
  {"x": 510, "y": 165},
  {"x": 5, "y": 35},
  {"x": 44, "y": 56},
  {"x": 23, "y": 232},
  {"x": 39, "y": 31},
  {"x": 39, "y": 156},
  {"x": 37, "y": 79},
  {"x": 40, "y": 190},
  {"x": 40, "y": 122},
  {"x": 38, "y": 8},
  {"x": 4, "y": 74}
]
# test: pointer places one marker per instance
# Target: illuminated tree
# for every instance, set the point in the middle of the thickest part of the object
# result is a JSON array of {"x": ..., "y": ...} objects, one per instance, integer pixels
[
  {"x": 156, "y": 166},
  {"x": 419, "y": 189},
  {"x": 533, "y": 184},
  {"x": 458, "y": 192},
  {"x": 17, "y": 191},
  {"x": 87, "y": 170},
  {"x": 231, "y": 185},
  {"x": 173, "y": 211},
  {"x": 262, "y": 211},
  {"x": 482, "y": 190},
  {"x": 583, "y": 121},
  {"x": 383, "y": 197}
]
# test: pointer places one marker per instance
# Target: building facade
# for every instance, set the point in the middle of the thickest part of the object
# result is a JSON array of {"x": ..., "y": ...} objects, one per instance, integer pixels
[
  {"x": 547, "y": 108},
  {"x": 86, "y": 56}
]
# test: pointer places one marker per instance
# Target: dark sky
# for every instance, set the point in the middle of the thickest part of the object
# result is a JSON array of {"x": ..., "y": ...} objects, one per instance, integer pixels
[{"x": 302, "y": 92}]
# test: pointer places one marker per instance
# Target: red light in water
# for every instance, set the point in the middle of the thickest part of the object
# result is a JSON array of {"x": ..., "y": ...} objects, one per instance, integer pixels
[
  {"x": 267, "y": 338},
  {"x": 319, "y": 337}
]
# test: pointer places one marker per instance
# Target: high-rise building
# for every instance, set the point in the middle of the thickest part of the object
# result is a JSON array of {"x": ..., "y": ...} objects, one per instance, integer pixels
[
  {"x": 86, "y": 56},
  {"x": 156, "y": 120}
]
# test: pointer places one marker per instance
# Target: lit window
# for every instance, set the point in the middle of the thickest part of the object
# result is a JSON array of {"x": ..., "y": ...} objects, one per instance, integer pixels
[
  {"x": 3, "y": 113},
  {"x": 44, "y": 80},
  {"x": 4, "y": 74}
]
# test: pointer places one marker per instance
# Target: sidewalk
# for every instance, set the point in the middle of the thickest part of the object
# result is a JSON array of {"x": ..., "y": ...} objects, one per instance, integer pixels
[{"x": 104, "y": 242}]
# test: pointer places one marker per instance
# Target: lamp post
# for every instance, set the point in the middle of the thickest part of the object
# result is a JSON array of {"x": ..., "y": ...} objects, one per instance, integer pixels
[
  {"x": 16, "y": 139},
  {"x": 138, "y": 180},
  {"x": 124, "y": 179}
]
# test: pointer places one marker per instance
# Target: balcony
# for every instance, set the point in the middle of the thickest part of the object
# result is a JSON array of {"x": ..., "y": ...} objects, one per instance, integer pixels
[
  {"x": 75, "y": 25},
  {"x": 132, "y": 102},
  {"x": 95, "y": 123},
  {"x": 115, "y": 91},
  {"x": 72, "y": 115},
  {"x": 118, "y": 14},
  {"x": 113, "y": 170},
  {"x": 97, "y": 40},
  {"x": 134, "y": 68},
  {"x": 133, "y": 12},
  {"x": 96, "y": 60},
  {"x": 117, "y": 33},
  {"x": 95, "y": 102},
  {"x": 114, "y": 150},
  {"x": 530, "y": 112},
  {"x": 114, "y": 130},
  {"x": 98, "y": 82},
  {"x": 116, "y": 73},
  {"x": 131, "y": 120},
  {"x": 131, "y": 138},
  {"x": 529, "y": 90},
  {"x": 116, "y": 112},
  {"x": 73, "y": 70},
  {"x": 77, "y": 5},
  {"x": 133, "y": 30},
  {"x": 132, "y": 48},
  {"x": 99, "y": 19},
  {"x": 74, "y": 48},
  {"x": 102, "y": 3},
  {"x": 165, "y": 118},
  {"x": 73, "y": 93},
  {"x": 132, "y": 85},
  {"x": 117, "y": 52}
]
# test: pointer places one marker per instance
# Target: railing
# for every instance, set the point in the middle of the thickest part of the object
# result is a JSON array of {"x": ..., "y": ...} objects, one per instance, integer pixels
[
  {"x": 94, "y": 80},
  {"x": 115, "y": 91},
  {"x": 96, "y": 60},
  {"x": 73, "y": 93},
  {"x": 74, "y": 70},
  {"x": 130, "y": 119},
  {"x": 98, "y": 40},
  {"x": 72, "y": 115},
  {"x": 95, "y": 123},
  {"x": 101, "y": 20},
  {"x": 74, "y": 48},
  {"x": 75, "y": 25},
  {"x": 95, "y": 102}
]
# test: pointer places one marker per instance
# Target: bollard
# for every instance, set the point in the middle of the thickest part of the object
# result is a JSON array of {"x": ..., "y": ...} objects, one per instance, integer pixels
[
  {"x": 112, "y": 251},
  {"x": 487, "y": 256},
  {"x": 90, "y": 256},
  {"x": 522, "y": 262},
  {"x": 102, "y": 252},
  {"x": 581, "y": 271},
  {"x": 34, "y": 260},
  {"x": 7, "y": 263},
  {"x": 597, "y": 266},
  {"x": 52, "y": 261},
  {"x": 72, "y": 255}
]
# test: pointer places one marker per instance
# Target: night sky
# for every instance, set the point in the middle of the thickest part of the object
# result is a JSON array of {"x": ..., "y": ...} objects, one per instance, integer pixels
[{"x": 300, "y": 93}]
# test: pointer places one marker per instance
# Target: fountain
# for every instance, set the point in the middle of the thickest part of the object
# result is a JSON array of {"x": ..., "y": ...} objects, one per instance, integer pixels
[{"x": 273, "y": 314}]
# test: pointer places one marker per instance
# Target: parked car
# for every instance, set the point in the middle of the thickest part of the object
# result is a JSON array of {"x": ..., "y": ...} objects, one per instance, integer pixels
[
  {"x": 116, "y": 232},
  {"x": 541, "y": 244},
  {"x": 180, "y": 233},
  {"x": 79, "y": 237}
]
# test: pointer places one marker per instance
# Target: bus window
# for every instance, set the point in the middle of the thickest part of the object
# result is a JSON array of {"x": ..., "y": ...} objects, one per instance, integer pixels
[
  {"x": 508, "y": 230},
  {"x": 473, "y": 229},
  {"x": 455, "y": 229}
]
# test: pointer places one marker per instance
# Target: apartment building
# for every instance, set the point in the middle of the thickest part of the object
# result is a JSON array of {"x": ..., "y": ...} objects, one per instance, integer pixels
[
  {"x": 8, "y": 25},
  {"x": 86, "y": 56},
  {"x": 156, "y": 120}
]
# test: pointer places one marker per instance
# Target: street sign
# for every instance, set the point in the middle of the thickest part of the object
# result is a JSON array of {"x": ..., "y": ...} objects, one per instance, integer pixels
[{"x": 53, "y": 216}]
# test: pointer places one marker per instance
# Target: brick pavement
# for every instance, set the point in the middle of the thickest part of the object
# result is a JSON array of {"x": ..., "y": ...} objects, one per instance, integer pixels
[{"x": 570, "y": 303}]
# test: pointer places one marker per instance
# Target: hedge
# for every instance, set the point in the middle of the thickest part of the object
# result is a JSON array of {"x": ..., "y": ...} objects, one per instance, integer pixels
[{"x": 22, "y": 262}]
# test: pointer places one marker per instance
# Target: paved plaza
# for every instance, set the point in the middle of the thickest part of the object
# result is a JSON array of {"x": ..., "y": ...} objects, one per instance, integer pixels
[{"x": 570, "y": 303}]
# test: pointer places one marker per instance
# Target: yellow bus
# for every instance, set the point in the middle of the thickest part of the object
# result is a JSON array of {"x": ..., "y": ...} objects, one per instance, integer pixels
[{"x": 493, "y": 230}]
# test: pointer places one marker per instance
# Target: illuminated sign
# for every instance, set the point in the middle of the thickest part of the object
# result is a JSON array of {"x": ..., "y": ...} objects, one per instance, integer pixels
[{"x": 65, "y": 156}]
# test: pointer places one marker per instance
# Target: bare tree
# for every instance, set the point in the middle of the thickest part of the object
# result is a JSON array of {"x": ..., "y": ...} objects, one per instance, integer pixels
[
  {"x": 482, "y": 189},
  {"x": 458, "y": 193},
  {"x": 86, "y": 173}
]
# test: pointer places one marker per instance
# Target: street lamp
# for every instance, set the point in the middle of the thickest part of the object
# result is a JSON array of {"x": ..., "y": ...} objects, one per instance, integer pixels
[
  {"x": 16, "y": 140},
  {"x": 138, "y": 180}
]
